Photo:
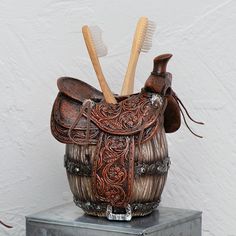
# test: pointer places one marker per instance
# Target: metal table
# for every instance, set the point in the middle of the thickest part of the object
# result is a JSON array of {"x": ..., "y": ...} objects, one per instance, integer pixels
[{"x": 69, "y": 220}]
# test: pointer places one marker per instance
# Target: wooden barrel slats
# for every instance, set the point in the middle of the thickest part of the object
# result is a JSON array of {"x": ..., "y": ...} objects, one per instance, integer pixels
[{"x": 148, "y": 183}]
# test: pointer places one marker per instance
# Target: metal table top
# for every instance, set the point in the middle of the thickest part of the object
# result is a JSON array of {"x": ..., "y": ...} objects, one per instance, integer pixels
[{"x": 70, "y": 215}]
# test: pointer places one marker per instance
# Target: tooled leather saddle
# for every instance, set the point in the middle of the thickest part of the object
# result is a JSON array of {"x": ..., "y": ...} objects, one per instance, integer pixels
[{"x": 81, "y": 116}]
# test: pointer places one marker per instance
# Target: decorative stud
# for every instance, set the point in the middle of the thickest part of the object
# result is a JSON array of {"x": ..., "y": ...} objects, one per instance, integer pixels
[
  {"x": 156, "y": 100},
  {"x": 142, "y": 170}
]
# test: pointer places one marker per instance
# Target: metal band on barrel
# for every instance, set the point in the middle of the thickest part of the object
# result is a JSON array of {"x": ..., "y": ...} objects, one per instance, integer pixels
[
  {"x": 102, "y": 207},
  {"x": 76, "y": 167}
]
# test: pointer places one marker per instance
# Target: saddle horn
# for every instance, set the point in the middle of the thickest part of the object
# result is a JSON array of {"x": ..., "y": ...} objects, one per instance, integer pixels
[
  {"x": 159, "y": 81},
  {"x": 160, "y": 63}
]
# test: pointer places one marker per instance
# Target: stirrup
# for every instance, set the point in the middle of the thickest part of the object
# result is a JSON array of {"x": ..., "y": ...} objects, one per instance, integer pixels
[{"x": 119, "y": 217}]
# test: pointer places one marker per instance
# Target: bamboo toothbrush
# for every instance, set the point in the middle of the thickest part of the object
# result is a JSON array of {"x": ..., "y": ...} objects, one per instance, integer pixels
[
  {"x": 142, "y": 42},
  {"x": 96, "y": 48}
]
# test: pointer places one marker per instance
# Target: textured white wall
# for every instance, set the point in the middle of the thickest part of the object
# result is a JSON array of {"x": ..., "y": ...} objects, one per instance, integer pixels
[{"x": 41, "y": 41}]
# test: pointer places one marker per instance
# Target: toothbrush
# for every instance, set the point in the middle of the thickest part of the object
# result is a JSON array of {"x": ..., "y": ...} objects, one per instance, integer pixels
[
  {"x": 142, "y": 42},
  {"x": 96, "y": 48}
]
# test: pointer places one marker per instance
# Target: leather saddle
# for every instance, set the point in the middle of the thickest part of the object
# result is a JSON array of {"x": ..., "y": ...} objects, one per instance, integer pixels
[
  {"x": 81, "y": 116},
  {"x": 74, "y": 93}
]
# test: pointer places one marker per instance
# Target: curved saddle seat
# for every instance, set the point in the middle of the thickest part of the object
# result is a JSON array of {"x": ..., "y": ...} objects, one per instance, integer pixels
[{"x": 77, "y": 89}]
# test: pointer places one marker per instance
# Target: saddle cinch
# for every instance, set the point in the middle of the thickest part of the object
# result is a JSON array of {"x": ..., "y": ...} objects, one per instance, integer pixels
[{"x": 116, "y": 154}]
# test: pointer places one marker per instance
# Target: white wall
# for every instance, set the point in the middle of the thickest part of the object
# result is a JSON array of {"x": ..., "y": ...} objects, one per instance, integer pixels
[{"x": 41, "y": 41}]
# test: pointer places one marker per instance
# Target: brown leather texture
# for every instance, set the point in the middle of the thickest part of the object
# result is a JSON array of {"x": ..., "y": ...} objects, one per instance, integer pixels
[
  {"x": 172, "y": 118},
  {"x": 77, "y": 89},
  {"x": 113, "y": 169}
]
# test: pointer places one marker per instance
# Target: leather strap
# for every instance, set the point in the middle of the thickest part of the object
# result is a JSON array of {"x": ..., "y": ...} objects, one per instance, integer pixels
[{"x": 113, "y": 169}]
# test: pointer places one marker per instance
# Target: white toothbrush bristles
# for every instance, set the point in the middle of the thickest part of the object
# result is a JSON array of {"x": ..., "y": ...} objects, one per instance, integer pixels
[
  {"x": 147, "y": 43},
  {"x": 100, "y": 47}
]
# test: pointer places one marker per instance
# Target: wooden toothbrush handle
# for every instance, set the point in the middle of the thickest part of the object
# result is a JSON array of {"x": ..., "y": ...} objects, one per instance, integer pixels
[
  {"x": 109, "y": 97},
  {"x": 128, "y": 84}
]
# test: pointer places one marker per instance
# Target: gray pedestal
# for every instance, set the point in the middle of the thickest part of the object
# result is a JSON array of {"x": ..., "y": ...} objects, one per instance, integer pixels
[{"x": 69, "y": 220}]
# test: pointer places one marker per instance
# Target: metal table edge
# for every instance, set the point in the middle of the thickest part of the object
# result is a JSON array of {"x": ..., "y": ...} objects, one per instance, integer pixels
[
  {"x": 86, "y": 226},
  {"x": 159, "y": 227}
]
